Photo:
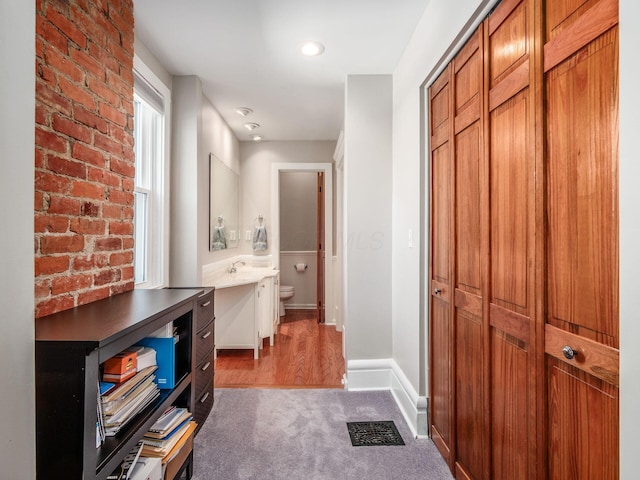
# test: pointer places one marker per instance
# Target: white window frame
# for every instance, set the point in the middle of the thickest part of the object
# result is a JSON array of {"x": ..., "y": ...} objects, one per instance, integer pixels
[{"x": 158, "y": 222}]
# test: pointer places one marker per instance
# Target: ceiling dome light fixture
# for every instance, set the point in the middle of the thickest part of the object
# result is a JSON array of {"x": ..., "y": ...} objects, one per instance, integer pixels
[
  {"x": 257, "y": 138},
  {"x": 251, "y": 126},
  {"x": 244, "y": 111},
  {"x": 312, "y": 49}
]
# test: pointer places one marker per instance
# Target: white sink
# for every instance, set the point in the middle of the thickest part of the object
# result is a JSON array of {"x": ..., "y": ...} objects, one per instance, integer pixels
[{"x": 243, "y": 276}]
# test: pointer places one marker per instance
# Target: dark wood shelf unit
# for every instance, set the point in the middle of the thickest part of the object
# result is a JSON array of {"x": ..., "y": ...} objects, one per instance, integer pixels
[
  {"x": 71, "y": 346},
  {"x": 203, "y": 372}
]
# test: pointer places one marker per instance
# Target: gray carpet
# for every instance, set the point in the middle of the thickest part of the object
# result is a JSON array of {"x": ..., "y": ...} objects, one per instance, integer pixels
[{"x": 302, "y": 435}]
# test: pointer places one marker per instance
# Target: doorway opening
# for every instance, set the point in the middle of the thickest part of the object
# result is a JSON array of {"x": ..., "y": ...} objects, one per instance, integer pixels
[
  {"x": 302, "y": 246},
  {"x": 308, "y": 348}
]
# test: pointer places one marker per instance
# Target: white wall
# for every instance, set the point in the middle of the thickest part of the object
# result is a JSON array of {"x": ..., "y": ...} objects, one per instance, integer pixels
[
  {"x": 298, "y": 211},
  {"x": 198, "y": 129},
  {"x": 305, "y": 282},
  {"x": 150, "y": 60},
  {"x": 184, "y": 269},
  {"x": 367, "y": 217},
  {"x": 256, "y": 159},
  {"x": 629, "y": 235},
  {"x": 17, "y": 113},
  {"x": 429, "y": 44}
]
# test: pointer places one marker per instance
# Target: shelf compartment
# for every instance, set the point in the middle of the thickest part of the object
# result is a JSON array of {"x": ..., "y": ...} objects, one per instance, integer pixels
[{"x": 110, "y": 454}]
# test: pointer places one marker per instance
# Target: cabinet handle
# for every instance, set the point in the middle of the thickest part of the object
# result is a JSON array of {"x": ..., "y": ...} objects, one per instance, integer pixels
[
  {"x": 204, "y": 397},
  {"x": 436, "y": 291},
  {"x": 206, "y": 304},
  {"x": 206, "y": 335},
  {"x": 205, "y": 366},
  {"x": 569, "y": 352}
]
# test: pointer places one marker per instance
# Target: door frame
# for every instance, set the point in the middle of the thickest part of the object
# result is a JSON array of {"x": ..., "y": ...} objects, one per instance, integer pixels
[{"x": 327, "y": 169}]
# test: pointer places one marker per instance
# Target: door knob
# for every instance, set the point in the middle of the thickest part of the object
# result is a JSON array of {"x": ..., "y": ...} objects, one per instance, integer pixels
[
  {"x": 569, "y": 352},
  {"x": 437, "y": 291}
]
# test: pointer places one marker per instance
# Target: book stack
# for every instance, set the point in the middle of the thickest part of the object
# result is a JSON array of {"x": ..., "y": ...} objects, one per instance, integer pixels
[
  {"x": 125, "y": 472},
  {"x": 124, "y": 401},
  {"x": 168, "y": 433}
]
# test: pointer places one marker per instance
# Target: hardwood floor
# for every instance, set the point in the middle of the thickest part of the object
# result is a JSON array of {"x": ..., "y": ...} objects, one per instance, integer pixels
[{"x": 305, "y": 354}]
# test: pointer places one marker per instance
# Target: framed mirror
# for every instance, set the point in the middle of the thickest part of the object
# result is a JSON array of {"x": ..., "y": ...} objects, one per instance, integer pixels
[{"x": 223, "y": 205}]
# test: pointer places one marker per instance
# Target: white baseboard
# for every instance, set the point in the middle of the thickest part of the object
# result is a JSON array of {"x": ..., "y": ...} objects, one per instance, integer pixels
[
  {"x": 385, "y": 374},
  {"x": 412, "y": 405},
  {"x": 300, "y": 306}
]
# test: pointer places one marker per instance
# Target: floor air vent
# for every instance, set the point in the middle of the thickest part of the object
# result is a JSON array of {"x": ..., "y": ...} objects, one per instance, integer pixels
[{"x": 374, "y": 433}]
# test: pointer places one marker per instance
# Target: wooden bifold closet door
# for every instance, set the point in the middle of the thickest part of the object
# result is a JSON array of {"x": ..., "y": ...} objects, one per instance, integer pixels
[
  {"x": 523, "y": 132},
  {"x": 582, "y": 318}
]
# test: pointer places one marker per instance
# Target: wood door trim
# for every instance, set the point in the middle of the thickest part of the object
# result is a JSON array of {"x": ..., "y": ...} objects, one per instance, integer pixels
[
  {"x": 468, "y": 302},
  {"x": 590, "y": 25},
  {"x": 440, "y": 136},
  {"x": 510, "y": 322},
  {"x": 440, "y": 444},
  {"x": 468, "y": 115},
  {"x": 461, "y": 473},
  {"x": 538, "y": 454},
  {"x": 510, "y": 85},
  {"x": 596, "y": 359},
  {"x": 321, "y": 249}
]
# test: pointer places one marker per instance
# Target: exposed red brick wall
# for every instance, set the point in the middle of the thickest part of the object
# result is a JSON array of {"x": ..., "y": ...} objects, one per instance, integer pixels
[{"x": 84, "y": 157}]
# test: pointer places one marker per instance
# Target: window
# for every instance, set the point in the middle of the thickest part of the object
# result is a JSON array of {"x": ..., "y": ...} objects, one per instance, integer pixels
[{"x": 151, "y": 125}]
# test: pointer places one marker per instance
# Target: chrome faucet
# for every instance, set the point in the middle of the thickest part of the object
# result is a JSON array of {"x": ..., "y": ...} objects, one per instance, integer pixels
[{"x": 232, "y": 268}]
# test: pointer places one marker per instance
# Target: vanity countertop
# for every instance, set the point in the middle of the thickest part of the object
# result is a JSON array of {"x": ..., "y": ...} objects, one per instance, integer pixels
[{"x": 244, "y": 276}]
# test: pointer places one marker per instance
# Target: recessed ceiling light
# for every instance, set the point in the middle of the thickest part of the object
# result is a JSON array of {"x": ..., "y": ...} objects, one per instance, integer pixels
[
  {"x": 311, "y": 49},
  {"x": 256, "y": 138},
  {"x": 251, "y": 126},
  {"x": 244, "y": 111}
]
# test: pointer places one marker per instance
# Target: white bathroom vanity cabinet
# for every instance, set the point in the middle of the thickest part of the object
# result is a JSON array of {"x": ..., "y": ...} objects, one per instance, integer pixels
[{"x": 246, "y": 309}]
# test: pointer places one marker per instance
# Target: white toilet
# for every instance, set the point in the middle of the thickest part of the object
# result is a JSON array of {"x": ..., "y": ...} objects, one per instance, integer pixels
[{"x": 286, "y": 293}]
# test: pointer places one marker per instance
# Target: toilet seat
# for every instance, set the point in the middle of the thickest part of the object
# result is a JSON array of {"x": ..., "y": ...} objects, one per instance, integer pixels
[{"x": 286, "y": 289}]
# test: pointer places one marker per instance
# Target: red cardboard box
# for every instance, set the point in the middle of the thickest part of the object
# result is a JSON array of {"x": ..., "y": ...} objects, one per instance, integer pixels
[{"x": 124, "y": 362}]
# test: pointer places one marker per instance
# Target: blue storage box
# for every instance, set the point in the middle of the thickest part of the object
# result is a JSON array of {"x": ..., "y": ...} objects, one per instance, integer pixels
[{"x": 166, "y": 358}]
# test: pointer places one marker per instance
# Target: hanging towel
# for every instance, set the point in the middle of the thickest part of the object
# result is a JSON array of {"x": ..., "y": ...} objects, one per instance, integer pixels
[
  {"x": 219, "y": 240},
  {"x": 260, "y": 238}
]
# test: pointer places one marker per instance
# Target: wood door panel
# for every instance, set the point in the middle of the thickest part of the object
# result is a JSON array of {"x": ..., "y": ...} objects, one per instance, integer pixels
[
  {"x": 441, "y": 207},
  {"x": 508, "y": 44},
  {"x": 467, "y": 209},
  {"x": 510, "y": 85},
  {"x": 510, "y": 174},
  {"x": 592, "y": 357},
  {"x": 582, "y": 425},
  {"x": 512, "y": 323},
  {"x": 510, "y": 408},
  {"x": 560, "y": 14},
  {"x": 441, "y": 280},
  {"x": 441, "y": 369},
  {"x": 581, "y": 64},
  {"x": 593, "y": 23},
  {"x": 439, "y": 108},
  {"x": 468, "y": 74},
  {"x": 470, "y": 406},
  {"x": 582, "y": 179}
]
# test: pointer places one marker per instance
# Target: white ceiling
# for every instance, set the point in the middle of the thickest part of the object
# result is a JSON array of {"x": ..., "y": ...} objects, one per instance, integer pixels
[{"x": 245, "y": 53}]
